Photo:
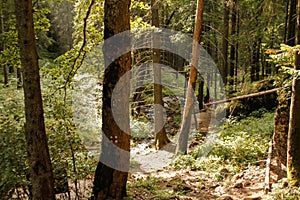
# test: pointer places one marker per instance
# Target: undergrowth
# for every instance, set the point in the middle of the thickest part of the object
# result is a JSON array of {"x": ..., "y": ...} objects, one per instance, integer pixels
[{"x": 237, "y": 145}]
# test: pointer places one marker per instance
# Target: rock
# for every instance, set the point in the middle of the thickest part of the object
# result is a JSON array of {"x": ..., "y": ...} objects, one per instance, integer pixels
[
  {"x": 238, "y": 185},
  {"x": 237, "y": 176},
  {"x": 285, "y": 183},
  {"x": 252, "y": 198},
  {"x": 224, "y": 172},
  {"x": 247, "y": 183},
  {"x": 226, "y": 198}
]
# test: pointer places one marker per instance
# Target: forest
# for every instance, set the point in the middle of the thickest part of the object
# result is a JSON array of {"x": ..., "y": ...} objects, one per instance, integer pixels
[{"x": 150, "y": 99}]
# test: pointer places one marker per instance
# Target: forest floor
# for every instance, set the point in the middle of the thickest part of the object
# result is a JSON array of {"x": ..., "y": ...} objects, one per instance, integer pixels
[
  {"x": 190, "y": 184},
  {"x": 186, "y": 183}
]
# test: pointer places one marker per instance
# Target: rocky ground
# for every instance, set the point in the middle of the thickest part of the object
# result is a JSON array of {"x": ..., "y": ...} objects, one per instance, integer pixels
[{"x": 249, "y": 184}]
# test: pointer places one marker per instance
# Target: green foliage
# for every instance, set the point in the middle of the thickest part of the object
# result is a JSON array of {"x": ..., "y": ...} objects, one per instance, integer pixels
[
  {"x": 92, "y": 24},
  {"x": 9, "y": 55},
  {"x": 156, "y": 188},
  {"x": 66, "y": 145},
  {"x": 70, "y": 159},
  {"x": 239, "y": 144},
  {"x": 13, "y": 165},
  {"x": 140, "y": 130},
  {"x": 140, "y": 17},
  {"x": 283, "y": 193},
  {"x": 285, "y": 56}
]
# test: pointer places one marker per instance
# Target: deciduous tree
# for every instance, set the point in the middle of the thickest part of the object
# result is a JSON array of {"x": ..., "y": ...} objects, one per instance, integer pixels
[
  {"x": 110, "y": 183},
  {"x": 40, "y": 169}
]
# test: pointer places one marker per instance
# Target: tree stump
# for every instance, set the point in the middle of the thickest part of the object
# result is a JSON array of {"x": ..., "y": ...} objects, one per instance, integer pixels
[{"x": 281, "y": 125}]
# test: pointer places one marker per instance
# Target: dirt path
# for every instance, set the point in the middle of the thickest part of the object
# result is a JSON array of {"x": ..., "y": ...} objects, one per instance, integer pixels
[{"x": 189, "y": 185}]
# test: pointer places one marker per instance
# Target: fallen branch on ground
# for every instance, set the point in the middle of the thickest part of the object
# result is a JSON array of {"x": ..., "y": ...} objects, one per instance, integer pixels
[{"x": 243, "y": 97}]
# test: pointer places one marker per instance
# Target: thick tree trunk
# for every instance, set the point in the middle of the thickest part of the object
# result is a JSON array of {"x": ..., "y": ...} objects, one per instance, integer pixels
[
  {"x": 189, "y": 103},
  {"x": 40, "y": 169},
  {"x": 161, "y": 138},
  {"x": 110, "y": 182},
  {"x": 292, "y": 19},
  {"x": 293, "y": 147}
]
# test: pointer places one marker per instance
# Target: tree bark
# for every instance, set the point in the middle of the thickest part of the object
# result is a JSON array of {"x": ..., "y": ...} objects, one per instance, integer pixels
[
  {"x": 161, "y": 138},
  {"x": 291, "y": 32},
  {"x": 40, "y": 169},
  {"x": 224, "y": 70},
  {"x": 293, "y": 148},
  {"x": 19, "y": 78},
  {"x": 233, "y": 44},
  {"x": 110, "y": 182},
  {"x": 200, "y": 96},
  {"x": 189, "y": 103},
  {"x": 2, "y": 46}
]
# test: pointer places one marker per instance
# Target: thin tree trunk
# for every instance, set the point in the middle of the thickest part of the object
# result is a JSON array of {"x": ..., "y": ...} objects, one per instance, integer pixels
[
  {"x": 19, "y": 78},
  {"x": 189, "y": 103},
  {"x": 40, "y": 169},
  {"x": 233, "y": 44},
  {"x": 257, "y": 61},
  {"x": 110, "y": 181},
  {"x": 161, "y": 138},
  {"x": 5, "y": 74},
  {"x": 2, "y": 46},
  {"x": 237, "y": 48},
  {"x": 200, "y": 96},
  {"x": 293, "y": 148},
  {"x": 286, "y": 20},
  {"x": 224, "y": 70}
]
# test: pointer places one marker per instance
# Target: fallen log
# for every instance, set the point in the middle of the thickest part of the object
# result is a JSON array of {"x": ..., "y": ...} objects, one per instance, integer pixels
[{"x": 243, "y": 97}]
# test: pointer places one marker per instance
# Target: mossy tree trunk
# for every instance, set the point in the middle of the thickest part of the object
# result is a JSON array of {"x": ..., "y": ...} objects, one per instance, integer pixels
[
  {"x": 110, "y": 181},
  {"x": 40, "y": 169},
  {"x": 293, "y": 153}
]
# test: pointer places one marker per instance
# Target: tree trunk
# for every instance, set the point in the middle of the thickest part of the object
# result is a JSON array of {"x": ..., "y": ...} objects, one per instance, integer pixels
[
  {"x": 237, "y": 47},
  {"x": 161, "y": 138},
  {"x": 2, "y": 46},
  {"x": 224, "y": 70},
  {"x": 200, "y": 96},
  {"x": 293, "y": 148},
  {"x": 291, "y": 32},
  {"x": 19, "y": 78},
  {"x": 286, "y": 20},
  {"x": 233, "y": 44},
  {"x": 40, "y": 169},
  {"x": 189, "y": 103},
  {"x": 255, "y": 65},
  {"x": 110, "y": 181}
]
